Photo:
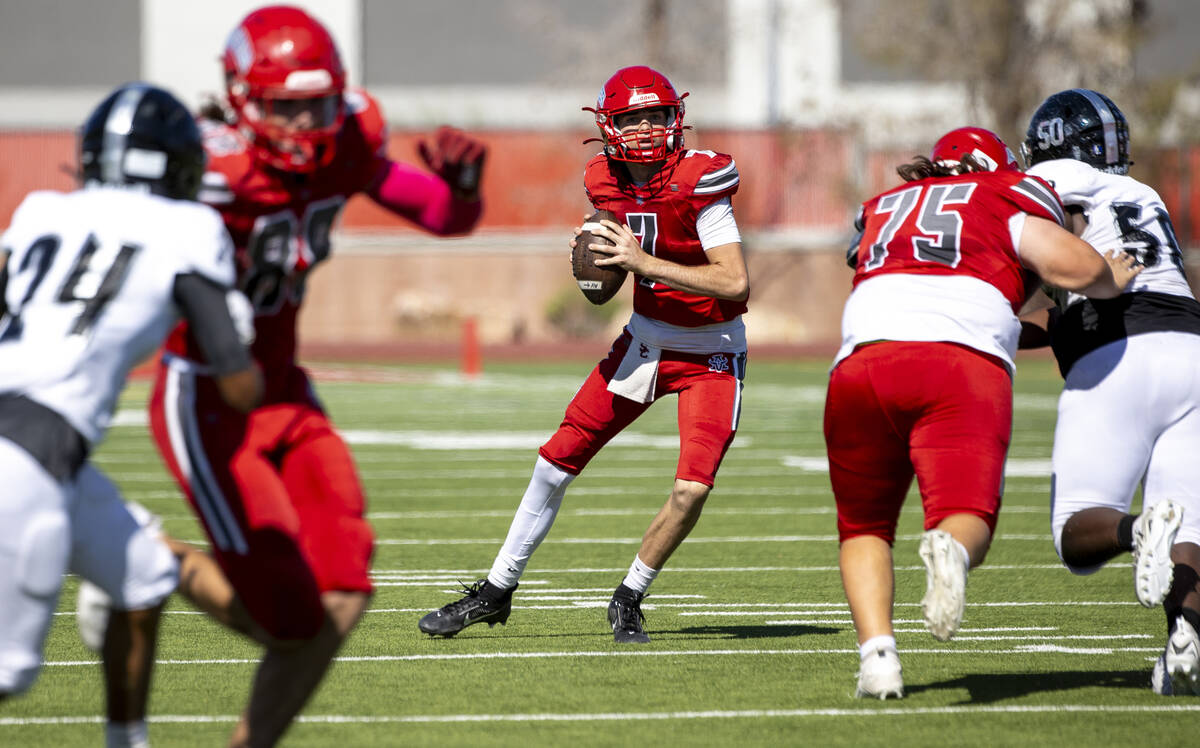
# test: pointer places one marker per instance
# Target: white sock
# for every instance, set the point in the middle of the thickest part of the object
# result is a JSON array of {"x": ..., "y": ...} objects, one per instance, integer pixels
[
  {"x": 640, "y": 576},
  {"x": 529, "y": 528},
  {"x": 870, "y": 646},
  {"x": 126, "y": 735},
  {"x": 966, "y": 555}
]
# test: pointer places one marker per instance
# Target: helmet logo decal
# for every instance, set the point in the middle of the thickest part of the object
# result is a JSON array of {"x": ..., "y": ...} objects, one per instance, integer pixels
[
  {"x": 239, "y": 46},
  {"x": 1050, "y": 132},
  {"x": 645, "y": 98},
  {"x": 145, "y": 164},
  {"x": 308, "y": 80}
]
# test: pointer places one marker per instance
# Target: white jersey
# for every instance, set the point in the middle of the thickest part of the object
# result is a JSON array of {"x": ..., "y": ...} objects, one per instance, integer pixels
[
  {"x": 1122, "y": 213},
  {"x": 90, "y": 287}
]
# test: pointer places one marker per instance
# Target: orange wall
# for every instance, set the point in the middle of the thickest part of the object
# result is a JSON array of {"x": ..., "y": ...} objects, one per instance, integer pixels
[{"x": 810, "y": 179}]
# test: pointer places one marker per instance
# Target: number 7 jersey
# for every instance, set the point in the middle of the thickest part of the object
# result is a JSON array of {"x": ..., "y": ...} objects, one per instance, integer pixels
[{"x": 937, "y": 261}]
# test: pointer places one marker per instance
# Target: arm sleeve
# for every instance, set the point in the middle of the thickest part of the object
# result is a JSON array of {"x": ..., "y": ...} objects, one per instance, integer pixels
[
  {"x": 423, "y": 199},
  {"x": 208, "y": 312},
  {"x": 716, "y": 225}
]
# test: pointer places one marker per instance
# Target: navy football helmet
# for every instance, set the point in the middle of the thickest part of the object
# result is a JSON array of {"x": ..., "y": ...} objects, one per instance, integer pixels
[
  {"x": 142, "y": 135},
  {"x": 1080, "y": 124}
]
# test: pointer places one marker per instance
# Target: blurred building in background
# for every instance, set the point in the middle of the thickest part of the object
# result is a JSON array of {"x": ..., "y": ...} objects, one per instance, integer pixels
[{"x": 817, "y": 100}]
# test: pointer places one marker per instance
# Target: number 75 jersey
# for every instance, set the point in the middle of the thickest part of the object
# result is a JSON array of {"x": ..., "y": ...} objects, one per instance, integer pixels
[
  {"x": 90, "y": 292},
  {"x": 967, "y": 225}
]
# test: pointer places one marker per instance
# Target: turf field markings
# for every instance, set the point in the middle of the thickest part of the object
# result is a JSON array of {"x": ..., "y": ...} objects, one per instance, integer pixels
[
  {"x": 1016, "y": 468},
  {"x": 476, "y": 573},
  {"x": 619, "y": 653},
  {"x": 864, "y": 712},
  {"x": 637, "y": 540}
]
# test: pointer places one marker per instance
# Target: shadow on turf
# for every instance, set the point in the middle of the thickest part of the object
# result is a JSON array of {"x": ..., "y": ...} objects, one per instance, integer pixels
[{"x": 985, "y": 688}]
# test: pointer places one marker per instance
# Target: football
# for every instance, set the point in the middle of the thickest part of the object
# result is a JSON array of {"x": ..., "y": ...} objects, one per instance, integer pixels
[{"x": 599, "y": 284}]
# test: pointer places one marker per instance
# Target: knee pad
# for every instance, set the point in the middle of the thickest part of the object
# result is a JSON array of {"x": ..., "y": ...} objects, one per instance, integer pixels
[
  {"x": 42, "y": 554},
  {"x": 16, "y": 679}
]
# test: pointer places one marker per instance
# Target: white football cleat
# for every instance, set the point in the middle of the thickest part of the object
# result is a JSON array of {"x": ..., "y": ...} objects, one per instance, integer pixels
[
  {"x": 879, "y": 676},
  {"x": 1177, "y": 670},
  {"x": 945, "y": 584},
  {"x": 1154, "y": 533},
  {"x": 92, "y": 607}
]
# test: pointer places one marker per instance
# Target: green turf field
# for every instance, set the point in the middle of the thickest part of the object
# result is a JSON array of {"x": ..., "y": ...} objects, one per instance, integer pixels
[{"x": 752, "y": 641}]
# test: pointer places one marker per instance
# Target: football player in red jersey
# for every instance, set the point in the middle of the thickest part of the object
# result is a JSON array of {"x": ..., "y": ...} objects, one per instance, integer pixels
[
  {"x": 676, "y": 233},
  {"x": 277, "y": 490},
  {"x": 923, "y": 381}
]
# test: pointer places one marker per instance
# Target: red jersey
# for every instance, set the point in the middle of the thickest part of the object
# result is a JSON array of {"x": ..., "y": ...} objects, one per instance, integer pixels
[
  {"x": 280, "y": 223},
  {"x": 665, "y": 224},
  {"x": 954, "y": 226}
]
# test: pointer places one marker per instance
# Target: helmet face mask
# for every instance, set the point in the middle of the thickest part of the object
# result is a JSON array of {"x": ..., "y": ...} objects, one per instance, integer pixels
[
  {"x": 284, "y": 80},
  {"x": 143, "y": 137},
  {"x": 627, "y": 137},
  {"x": 1079, "y": 124}
]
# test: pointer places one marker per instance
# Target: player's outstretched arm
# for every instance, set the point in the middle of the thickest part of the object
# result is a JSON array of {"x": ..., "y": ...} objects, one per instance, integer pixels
[
  {"x": 1066, "y": 261},
  {"x": 424, "y": 199}
]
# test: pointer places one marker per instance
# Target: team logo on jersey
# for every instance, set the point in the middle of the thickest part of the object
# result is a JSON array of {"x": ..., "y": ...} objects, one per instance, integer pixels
[
  {"x": 718, "y": 362},
  {"x": 643, "y": 351}
]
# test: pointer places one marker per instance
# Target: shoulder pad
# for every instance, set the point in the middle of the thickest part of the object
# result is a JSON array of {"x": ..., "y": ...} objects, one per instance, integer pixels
[
  {"x": 710, "y": 175},
  {"x": 365, "y": 110},
  {"x": 1037, "y": 191}
]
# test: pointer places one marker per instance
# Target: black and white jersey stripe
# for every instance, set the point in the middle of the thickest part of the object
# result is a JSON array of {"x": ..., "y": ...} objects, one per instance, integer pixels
[
  {"x": 1043, "y": 196},
  {"x": 717, "y": 181}
]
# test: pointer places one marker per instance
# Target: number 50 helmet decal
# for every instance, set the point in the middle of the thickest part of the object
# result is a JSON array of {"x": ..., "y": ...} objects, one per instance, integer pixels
[{"x": 1079, "y": 124}]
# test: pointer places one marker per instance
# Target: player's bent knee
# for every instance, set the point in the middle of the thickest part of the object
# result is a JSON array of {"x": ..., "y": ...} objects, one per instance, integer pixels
[{"x": 17, "y": 677}]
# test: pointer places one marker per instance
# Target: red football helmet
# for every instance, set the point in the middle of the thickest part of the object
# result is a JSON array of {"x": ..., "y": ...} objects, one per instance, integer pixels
[
  {"x": 631, "y": 89},
  {"x": 984, "y": 145},
  {"x": 284, "y": 79}
]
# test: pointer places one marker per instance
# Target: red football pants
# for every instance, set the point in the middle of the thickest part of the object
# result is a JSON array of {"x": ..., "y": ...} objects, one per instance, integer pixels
[
  {"x": 277, "y": 493},
  {"x": 939, "y": 410},
  {"x": 710, "y": 400}
]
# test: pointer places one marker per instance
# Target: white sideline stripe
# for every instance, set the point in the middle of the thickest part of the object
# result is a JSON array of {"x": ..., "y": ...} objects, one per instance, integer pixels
[
  {"x": 442, "y": 573},
  {"x": 1013, "y": 468},
  {"x": 1029, "y": 649},
  {"x": 690, "y": 540},
  {"x": 349, "y": 719}
]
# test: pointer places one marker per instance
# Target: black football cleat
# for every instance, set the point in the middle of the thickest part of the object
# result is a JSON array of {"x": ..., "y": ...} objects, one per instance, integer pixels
[
  {"x": 625, "y": 616},
  {"x": 483, "y": 603}
]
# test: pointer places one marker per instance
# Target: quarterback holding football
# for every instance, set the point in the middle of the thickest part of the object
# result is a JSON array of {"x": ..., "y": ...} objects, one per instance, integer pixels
[{"x": 673, "y": 230}]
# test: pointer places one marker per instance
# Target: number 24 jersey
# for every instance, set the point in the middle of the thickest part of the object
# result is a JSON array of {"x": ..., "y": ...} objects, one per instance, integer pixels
[{"x": 90, "y": 292}]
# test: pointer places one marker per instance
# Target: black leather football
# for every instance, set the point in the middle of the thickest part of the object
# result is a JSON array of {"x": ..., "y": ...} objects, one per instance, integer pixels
[{"x": 599, "y": 284}]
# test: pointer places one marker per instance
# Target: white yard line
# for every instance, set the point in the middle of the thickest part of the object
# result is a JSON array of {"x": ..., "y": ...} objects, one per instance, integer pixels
[
  {"x": 863, "y": 712},
  {"x": 955, "y": 651}
]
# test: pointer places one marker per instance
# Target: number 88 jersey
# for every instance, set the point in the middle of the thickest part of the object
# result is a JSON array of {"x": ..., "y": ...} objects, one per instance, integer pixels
[{"x": 281, "y": 223}]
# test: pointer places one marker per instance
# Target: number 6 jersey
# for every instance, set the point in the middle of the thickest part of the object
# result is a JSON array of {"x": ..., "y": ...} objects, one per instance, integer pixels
[
  {"x": 90, "y": 291},
  {"x": 937, "y": 261}
]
